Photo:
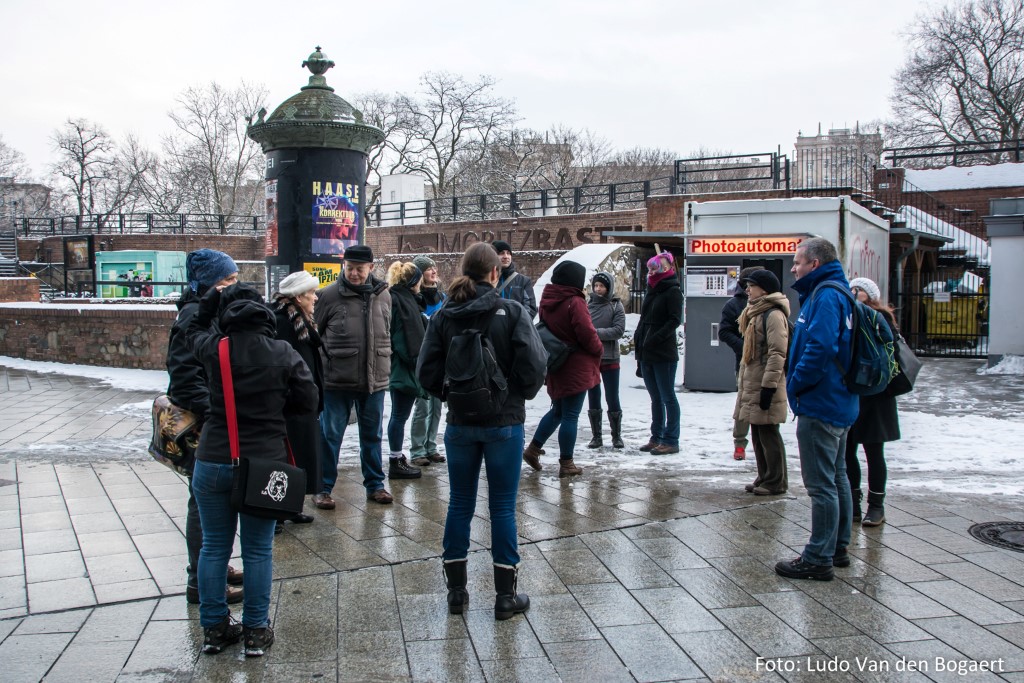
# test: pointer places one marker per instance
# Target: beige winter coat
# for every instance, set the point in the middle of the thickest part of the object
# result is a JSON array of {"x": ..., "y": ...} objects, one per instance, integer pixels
[{"x": 763, "y": 359}]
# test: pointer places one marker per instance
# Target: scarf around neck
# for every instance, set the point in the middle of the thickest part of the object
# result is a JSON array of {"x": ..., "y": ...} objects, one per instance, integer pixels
[{"x": 749, "y": 316}]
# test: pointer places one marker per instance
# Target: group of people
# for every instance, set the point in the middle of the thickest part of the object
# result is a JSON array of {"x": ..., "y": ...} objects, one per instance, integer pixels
[{"x": 801, "y": 366}]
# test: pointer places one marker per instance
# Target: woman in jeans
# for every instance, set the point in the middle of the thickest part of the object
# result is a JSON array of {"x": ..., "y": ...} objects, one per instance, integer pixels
[
  {"x": 270, "y": 379},
  {"x": 609, "y": 318},
  {"x": 407, "y": 327},
  {"x": 497, "y": 442},
  {"x": 657, "y": 353},
  {"x": 564, "y": 311}
]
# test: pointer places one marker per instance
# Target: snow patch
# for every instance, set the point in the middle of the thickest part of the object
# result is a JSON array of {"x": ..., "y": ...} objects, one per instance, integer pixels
[
  {"x": 969, "y": 177},
  {"x": 1009, "y": 365},
  {"x": 118, "y": 378}
]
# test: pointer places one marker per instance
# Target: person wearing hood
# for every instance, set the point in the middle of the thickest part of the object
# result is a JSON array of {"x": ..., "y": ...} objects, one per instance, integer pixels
[
  {"x": 426, "y": 415},
  {"x": 564, "y": 310},
  {"x": 761, "y": 399},
  {"x": 496, "y": 444},
  {"x": 293, "y": 305},
  {"x": 270, "y": 381},
  {"x": 609, "y": 318},
  {"x": 877, "y": 423},
  {"x": 657, "y": 351},
  {"x": 354, "y": 318},
  {"x": 513, "y": 284},
  {"x": 729, "y": 332},
  {"x": 407, "y": 328},
  {"x": 204, "y": 268},
  {"x": 825, "y": 408}
]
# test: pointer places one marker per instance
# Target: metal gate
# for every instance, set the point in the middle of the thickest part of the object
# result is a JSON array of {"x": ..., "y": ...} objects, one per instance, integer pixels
[{"x": 947, "y": 317}]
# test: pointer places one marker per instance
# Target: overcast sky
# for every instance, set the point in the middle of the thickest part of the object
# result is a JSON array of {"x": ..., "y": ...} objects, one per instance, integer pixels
[{"x": 739, "y": 75}]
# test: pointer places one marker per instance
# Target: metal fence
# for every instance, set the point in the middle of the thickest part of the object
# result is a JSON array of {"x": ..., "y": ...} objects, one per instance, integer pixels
[
  {"x": 138, "y": 223},
  {"x": 946, "y": 324},
  {"x": 956, "y": 154},
  {"x": 732, "y": 172}
]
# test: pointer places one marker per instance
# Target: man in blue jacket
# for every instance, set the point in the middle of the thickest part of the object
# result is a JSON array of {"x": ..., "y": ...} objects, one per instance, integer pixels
[{"x": 822, "y": 339}]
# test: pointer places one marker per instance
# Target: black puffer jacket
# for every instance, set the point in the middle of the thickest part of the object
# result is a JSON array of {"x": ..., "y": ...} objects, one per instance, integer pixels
[
  {"x": 729, "y": 328},
  {"x": 517, "y": 346},
  {"x": 270, "y": 378},
  {"x": 660, "y": 317},
  {"x": 187, "y": 387}
]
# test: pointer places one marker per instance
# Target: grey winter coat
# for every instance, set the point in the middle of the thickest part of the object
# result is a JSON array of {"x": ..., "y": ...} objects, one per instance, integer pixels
[
  {"x": 356, "y": 331},
  {"x": 609, "y": 318}
]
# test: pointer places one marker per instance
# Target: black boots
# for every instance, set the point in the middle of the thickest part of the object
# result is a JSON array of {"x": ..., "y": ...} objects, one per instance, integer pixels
[
  {"x": 595, "y": 428},
  {"x": 857, "y": 496},
  {"x": 615, "y": 420},
  {"x": 508, "y": 601},
  {"x": 455, "y": 577},
  {"x": 876, "y": 510}
]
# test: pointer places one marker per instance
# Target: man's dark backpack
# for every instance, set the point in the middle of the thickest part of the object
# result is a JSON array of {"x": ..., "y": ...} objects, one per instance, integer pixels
[
  {"x": 873, "y": 356},
  {"x": 475, "y": 386}
]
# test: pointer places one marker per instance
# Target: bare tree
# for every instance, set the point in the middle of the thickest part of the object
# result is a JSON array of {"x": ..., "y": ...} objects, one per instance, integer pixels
[
  {"x": 963, "y": 79},
  {"x": 20, "y": 195},
  {"x": 210, "y": 154},
  {"x": 87, "y": 157},
  {"x": 383, "y": 111}
]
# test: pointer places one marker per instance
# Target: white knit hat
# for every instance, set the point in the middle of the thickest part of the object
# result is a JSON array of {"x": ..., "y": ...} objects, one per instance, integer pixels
[
  {"x": 298, "y": 283},
  {"x": 868, "y": 287}
]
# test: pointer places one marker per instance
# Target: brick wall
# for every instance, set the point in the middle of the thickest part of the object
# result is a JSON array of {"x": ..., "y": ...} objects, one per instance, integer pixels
[
  {"x": 239, "y": 247},
  {"x": 90, "y": 334},
  {"x": 19, "y": 289}
]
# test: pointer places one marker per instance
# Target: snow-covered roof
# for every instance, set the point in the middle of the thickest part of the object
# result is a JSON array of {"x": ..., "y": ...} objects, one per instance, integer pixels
[
  {"x": 967, "y": 177},
  {"x": 919, "y": 220}
]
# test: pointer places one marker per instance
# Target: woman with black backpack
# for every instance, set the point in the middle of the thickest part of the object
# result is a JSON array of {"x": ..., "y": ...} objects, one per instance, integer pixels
[{"x": 482, "y": 354}]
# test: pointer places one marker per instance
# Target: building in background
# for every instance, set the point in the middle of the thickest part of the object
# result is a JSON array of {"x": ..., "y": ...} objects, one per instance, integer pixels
[{"x": 840, "y": 158}]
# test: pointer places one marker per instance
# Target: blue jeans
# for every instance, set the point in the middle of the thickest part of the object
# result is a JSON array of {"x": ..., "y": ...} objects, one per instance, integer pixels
[
  {"x": 610, "y": 380},
  {"x": 370, "y": 418},
  {"x": 211, "y": 484},
  {"x": 660, "y": 380},
  {"x": 401, "y": 408},
  {"x": 500, "y": 449},
  {"x": 426, "y": 418},
  {"x": 565, "y": 416},
  {"x": 823, "y": 465}
]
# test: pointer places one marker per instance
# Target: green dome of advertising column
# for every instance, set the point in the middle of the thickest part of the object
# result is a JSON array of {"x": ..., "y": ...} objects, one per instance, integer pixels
[{"x": 316, "y": 145}]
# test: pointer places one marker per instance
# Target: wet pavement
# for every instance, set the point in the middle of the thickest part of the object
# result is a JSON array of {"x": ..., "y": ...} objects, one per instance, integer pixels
[{"x": 641, "y": 574}]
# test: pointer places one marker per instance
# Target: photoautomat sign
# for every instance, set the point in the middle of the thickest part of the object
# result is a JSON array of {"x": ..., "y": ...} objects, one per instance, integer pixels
[{"x": 777, "y": 246}]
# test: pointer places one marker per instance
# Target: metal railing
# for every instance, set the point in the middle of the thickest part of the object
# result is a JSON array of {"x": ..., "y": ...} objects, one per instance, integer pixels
[
  {"x": 957, "y": 153},
  {"x": 731, "y": 172},
  {"x": 139, "y": 223}
]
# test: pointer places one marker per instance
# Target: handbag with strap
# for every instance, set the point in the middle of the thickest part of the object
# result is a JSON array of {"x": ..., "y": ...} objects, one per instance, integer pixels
[
  {"x": 910, "y": 365},
  {"x": 259, "y": 487},
  {"x": 175, "y": 435}
]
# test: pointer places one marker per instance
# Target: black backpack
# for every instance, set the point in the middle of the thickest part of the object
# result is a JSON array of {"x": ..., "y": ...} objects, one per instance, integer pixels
[
  {"x": 558, "y": 350},
  {"x": 475, "y": 386}
]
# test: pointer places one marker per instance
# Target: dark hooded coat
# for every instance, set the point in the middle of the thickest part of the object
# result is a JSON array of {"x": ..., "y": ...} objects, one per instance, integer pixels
[{"x": 564, "y": 311}]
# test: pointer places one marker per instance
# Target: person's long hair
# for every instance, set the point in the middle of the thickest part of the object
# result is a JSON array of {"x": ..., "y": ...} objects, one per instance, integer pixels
[
  {"x": 477, "y": 264},
  {"x": 399, "y": 273},
  {"x": 885, "y": 309}
]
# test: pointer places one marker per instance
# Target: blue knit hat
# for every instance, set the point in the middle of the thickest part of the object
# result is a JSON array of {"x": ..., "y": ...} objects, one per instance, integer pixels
[{"x": 206, "y": 267}]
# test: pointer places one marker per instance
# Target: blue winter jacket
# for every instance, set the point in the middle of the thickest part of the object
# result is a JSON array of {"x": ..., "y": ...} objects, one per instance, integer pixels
[{"x": 822, "y": 333}]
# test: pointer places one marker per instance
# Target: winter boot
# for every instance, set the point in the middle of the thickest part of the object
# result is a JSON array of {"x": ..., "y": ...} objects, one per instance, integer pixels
[
  {"x": 876, "y": 510},
  {"x": 595, "y": 427},
  {"x": 857, "y": 495},
  {"x": 567, "y": 468},
  {"x": 508, "y": 601},
  {"x": 455, "y": 577},
  {"x": 615, "y": 420},
  {"x": 531, "y": 456}
]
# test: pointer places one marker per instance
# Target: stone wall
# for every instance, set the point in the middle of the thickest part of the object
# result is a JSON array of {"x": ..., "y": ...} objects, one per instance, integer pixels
[
  {"x": 19, "y": 289},
  {"x": 91, "y": 334},
  {"x": 241, "y": 248}
]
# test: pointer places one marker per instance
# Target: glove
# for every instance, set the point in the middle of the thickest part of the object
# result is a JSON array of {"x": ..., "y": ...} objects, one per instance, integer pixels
[
  {"x": 209, "y": 304},
  {"x": 638, "y": 371},
  {"x": 766, "y": 398}
]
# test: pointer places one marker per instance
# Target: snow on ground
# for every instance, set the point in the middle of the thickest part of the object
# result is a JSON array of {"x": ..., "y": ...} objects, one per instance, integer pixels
[
  {"x": 118, "y": 378},
  {"x": 1009, "y": 365},
  {"x": 967, "y": 177}
]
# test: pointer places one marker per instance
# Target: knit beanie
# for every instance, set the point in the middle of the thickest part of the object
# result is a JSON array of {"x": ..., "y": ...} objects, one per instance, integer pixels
[
  {"x": 501, "y": 245},
  {"x": 605, "y": 279},
  {"x": 765, "y": 279},
  {"x": 569, "y": 273},
  {"x": 868, "y": 287},
  {"x": 206, "y": 267},
  {"x": 297, "y": 283},
  {"x": 424, "y": 262}
]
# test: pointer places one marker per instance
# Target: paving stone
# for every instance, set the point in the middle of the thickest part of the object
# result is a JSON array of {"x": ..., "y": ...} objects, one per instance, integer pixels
[
  {"x": 921, "y": 655},
  {"x": 57, "y": 595},
  {"x": 578, "y": 566},
  {"x": 763, "y": 632},
  {"x": 587, "y": 661},
  {"x": 173, "y": 608},
  {"x": 650, "y": 654},
  {"x": 974, "y": 641},
  {"x": 44, "y": 542},
  {"x": 966, "y": 602},
  {"x": 12, "y": 563},
  {"x": 116, "y": 623},
  {"x": 712, "y": 588},
  {"x": 116, "y": 568},
  {"x": 103, "y": 662},
  {"x": 610, "y": 604},
  {"x": 634, "y": 570},
  {"x": 807, "y": 616},
  {"x": 670, "y": 553},
  {"x": 311, "y": 635},
  {"x": 367, "y": 601},
  {"x": 170, "y": 647},
  {"x": 106, "y": 543},
  {"x": 751, "y": 574},
  {"x": 676, "y": 611},
  {"x": 426, "y": 617},
  {"x": 1011, "y": 632},
  {"x": 13, "y": 593},
  {"x": 162, "y": 544},
  {"x": 865, "y": 659},
  {"x": 558, "y": 618},
  {"x": 537, "y": 670},
  {"x": 723, "y": 656},
  {"x": 126, "y": 590},
  {"x": 899, "y": 597},
  {"x": 54, "y": 567},
  {"x": 10, "y": 539},
  {"x": 507, "y": 640},
  {"x": 61, "y": 622},
  {"x": 443, "y": 660},
  {"x": 301, "y": 671},
  {"x": 372, "y": 655},
  {"x": 51, "y": 520},
  {"x": 28, "y": 658},
  {"x": 981, "y": 580},
  {"x": 885, "y": 625},
  {"x": 701, "y": 539}
]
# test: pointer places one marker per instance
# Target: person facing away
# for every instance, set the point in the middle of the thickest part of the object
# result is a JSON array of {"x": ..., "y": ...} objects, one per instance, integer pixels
[
  {"x": 426, "y": 415},
  {"x": 825, "y": 409},
  {"x": 761, "y": 399},
  {"x": 657, "y": 352},
  {"x": 513, "y": 284},
  {"x": 729, "y": 332},
  {"x": 204, "y": 268},
  {"x": 407, "y": 328},
  {"x": 293, "y": 305},
  {"x": 270, "y": 380},
  {"x": 609, "y": 318},
  {"x": 354, "y": 318},
  {"x": 497, "y": 443},
  {"x": 564, "y": 310},
  {"x": 877, "y": 422}
]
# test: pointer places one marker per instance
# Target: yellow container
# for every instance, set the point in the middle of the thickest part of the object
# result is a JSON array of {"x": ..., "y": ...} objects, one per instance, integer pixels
[{"x": 953, "y": 319}]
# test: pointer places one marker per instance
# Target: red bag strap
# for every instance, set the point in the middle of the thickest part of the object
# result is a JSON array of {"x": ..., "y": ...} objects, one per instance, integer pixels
[{"x": 224, "y": 351}]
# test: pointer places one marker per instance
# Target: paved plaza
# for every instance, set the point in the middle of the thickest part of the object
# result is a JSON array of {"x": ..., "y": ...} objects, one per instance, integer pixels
[{"x": 650, "y": 573}]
